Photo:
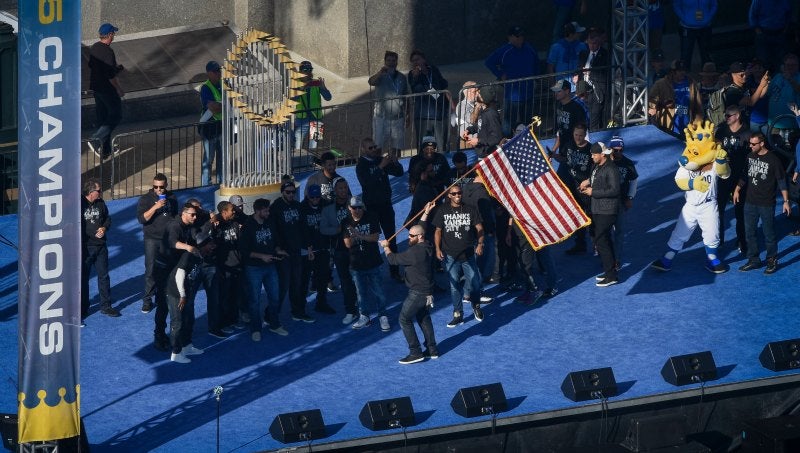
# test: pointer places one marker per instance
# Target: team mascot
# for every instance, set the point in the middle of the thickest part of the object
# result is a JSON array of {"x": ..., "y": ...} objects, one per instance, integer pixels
[{"x": 699, "y": 165}]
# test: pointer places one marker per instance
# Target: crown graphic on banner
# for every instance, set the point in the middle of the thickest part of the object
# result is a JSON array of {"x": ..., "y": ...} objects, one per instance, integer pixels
[{"x": 47, "y": 422}]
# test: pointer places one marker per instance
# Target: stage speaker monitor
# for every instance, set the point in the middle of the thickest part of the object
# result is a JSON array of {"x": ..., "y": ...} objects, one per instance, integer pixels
[
  {"x": 8, "y": 429},
  {"x": 690, "y": 368},
  {"x": 481, "y": 400},
  {"x": 298, "y": 426},
  {"x": 387, "y": 414},
  {"x": 781, "y": 355},
  {"x": 589, "y": 384}
]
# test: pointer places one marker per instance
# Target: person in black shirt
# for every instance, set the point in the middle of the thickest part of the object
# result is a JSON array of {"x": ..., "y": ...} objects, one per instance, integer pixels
[
  {"x": 182, "y": 287},
  {"x": 419, "y": 279},
  {"x": 330, "y": 226},
  {"x": 286, "y": 213},
  {"x": 628, "y": 183},
  {"x": 764, "y": 173},
  {"x": 373, "y": 173},
  {"x": 229, "y": 265},
  {"x": 316, "y": 248},
  {"x": 734, "y": 137},
  {"x": 569, "y": 112},
  {"x": 430, "y": 110},
  {"x": 487, "y": 129},
  {"x": 108, "y": 93},
  {"x": 441, "y": 168},
  {"x": 95, "y": 222},
  {"x": 260, "y": 252},
  {"x": 360, "y": 235},
  {"x": 458, "y": 226},
  {"x": 577, "y": 161}
]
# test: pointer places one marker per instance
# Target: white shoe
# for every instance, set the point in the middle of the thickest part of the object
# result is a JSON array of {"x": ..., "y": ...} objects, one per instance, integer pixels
[
  {"x": 349, "y": 318},
  {"x": 180, "y": 358},
  {"x": 486, "y": 299},
  {"x": 363, "y": 321},
  {"x": 256, "y": 336},
  {"x": 191, "y": 350},
  {"x": 385, "y": 324},
  {"x": 279, "y": 331}
]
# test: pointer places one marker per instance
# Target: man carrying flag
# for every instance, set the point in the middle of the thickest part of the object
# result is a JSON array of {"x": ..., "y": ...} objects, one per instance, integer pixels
[{"x": 521, "y": 178}]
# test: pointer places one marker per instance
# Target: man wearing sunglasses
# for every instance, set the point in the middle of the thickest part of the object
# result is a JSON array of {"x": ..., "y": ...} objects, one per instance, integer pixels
[
  {"x": 458, "y": 238},
  {"x": 733, "y": 136},
  {"x": 154, "y": 211},
  {"x": 764, "y": 173},
  {"x": 95, "y": 222}
]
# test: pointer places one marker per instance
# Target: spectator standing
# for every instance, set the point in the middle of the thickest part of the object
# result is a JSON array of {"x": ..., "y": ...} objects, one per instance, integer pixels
[
  {"x": 759, "y": 111},
  {"x": 593, "y": 61},
  {"x": 578, "y": 161},
  {"x": 783, "y": 91},
  {"x": 95, "y": 222},
  {"x": 360, "y": 232},
  {"x": 260, "y": 252},
  {"x": 390, "y": 116},
  {"x": 709, "y": 82},
  {"x": 739, "y": 93},
  {"x": 515, "y": 60},
  {"x": 658, "y": 70},
  {"x": 308, "y": 119},
  {"x": 461, "y": 119},
  {"x": 676, "y": 100},
  {"x": 458, "y": 238},
  {"x": 316, "y": 260},
  {"x": 764, "y": 175},
  {"x": 564, "y": 10},
  {"x": 211, "y": 122},
  {"x": 285, "y": 211},
  {"x": 564, "y": 53},
  {"x": 734, "y": 137},
  {"x": 486, "y": 132},
  {"x": 769, "y": 19},
  {"x": 603, "y": 187},
  {"x": 419, "y": 280},
  {"x": 431, "y": 109},
  {"x": 229, "y": 264},
  {"x": 655, "y": 18},
  {"x": 695, "y": 18},
  {"x": 331, "y": 227},
  {"x": 107, "y": 91},
  {"x": 373, "y": 171}
]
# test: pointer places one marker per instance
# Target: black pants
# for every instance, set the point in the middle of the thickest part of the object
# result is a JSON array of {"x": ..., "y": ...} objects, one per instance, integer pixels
[
  {"x": 153, "y": 252},
  {"x": 415, "y": 307},
  {"x": 290, "y": 281},
  {"x": 725, "y": 188},
  {"x": 209, "y": 281},
  {"x": 342, "y": 260},
  {"x": 231, "y": 294},
  {"x": 385, "y": 213},
  {"x": 162, "y": 309},
  {"x": 97, "y": 256},
  {"x": 602, "y": 239},
  {"x": 702, "y": 36},
  {"x": 109, "y": 115},
  {"x": 318, "y": 269},
  {"x": 181, "y": 322}
]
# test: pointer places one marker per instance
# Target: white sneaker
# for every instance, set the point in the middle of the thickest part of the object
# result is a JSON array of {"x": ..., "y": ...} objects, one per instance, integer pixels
[
  {"x": 255, "y": 336},
  {"x": 191, "y": 350},
  {"x": 279, "y": 331},
  {"x": 385, "y": 323},
  {"x": 486, "y": 299},
  {"x": 180, "y": 358},
  {"x": 349, "y": 318},
  {"x": 363, "y": 321}
]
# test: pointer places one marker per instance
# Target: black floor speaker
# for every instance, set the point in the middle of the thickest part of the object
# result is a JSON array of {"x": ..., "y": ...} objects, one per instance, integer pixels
[
  {"x": 388, "y": 414},
  {"x": 298, "y": 426},
  {"x": 772, "y": 435}
]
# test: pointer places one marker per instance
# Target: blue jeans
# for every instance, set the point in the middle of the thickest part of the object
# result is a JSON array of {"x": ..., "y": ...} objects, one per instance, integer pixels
[
  {"x": 369, "y": 281},
  {"x": 487, "y": 261},
  {"x": 767, "y": 215},
  {"x": 469, "y": 269},
  {"x": 266, "y": 276},
  {"x": 212, "y": 149},
  {"x": 301, "y": 128},
  {"x": 415, "y": 307},
  {"x": 97, "y": 256}
]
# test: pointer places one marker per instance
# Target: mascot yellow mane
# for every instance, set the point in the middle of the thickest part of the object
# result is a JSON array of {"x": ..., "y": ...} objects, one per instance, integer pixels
[{"x": 701, "y": 151}]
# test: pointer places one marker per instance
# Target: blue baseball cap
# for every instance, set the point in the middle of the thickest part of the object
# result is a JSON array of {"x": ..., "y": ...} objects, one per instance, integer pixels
[
  {"x": 212, "y": 66},
  {"x": 314, "y": 191},
  {"x": 107, "y": 28},
  {"x": 616, "y": 142}
]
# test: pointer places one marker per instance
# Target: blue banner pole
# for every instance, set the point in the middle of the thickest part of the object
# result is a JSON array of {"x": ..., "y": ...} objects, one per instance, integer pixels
[{"x": 49, "y": 219}]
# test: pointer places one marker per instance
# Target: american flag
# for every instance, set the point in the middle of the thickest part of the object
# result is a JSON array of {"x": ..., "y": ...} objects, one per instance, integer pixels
[{"x": 521, "y": 178}]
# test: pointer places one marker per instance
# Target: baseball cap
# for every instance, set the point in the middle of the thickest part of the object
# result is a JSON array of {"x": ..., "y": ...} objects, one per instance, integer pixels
[
  {"x": 107, "y": 28},
  {"x": 305, "y": 66},
  {"x": 516, "y": 31},
  {"x": 355, "y": 201},
  {"x": 212, "y": 66},
  {"x": 736, "y": 68},
  {"x": 314, "y": 191},
  {"x": 237, "y": 200},
  {"x": 600, "y": 148},
  {"x": 616, "y": 142},
  {"x": 428, "y": 141},
  {"x": 286, "y": 185},
  {"x": 573, "y": 27},
  {"x": 678, "y": 65},
  {"x": 561, "y": 85}
]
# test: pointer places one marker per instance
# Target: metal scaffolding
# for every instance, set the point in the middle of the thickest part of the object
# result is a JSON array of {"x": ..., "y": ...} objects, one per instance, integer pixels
[{"x": 630, "y": 61}]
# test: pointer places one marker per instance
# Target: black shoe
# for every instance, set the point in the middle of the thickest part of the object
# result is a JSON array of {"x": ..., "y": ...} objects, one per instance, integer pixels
[
  {"x": 324, "y": 308},
  {"x": 608, "y": 281},
  {"x": 431, "y": 354},
  {"x": 550, "y": 293},
  {"x": 147, "y": 307},
  {"x": 111, "y": 312},
  {"x": 576, "y": 250},
  {"x": 409, "y": 359},
  {"x": 476, "y": 309},
  {"x": 303, "y": 317},
  {"x": 772, "y": 265},
  {"x": 750, "y": 265},
  {"x": 458, "y": 319}
]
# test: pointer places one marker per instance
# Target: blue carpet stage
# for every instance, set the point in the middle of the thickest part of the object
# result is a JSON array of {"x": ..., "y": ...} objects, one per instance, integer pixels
[{"x": 134, "y": 399}]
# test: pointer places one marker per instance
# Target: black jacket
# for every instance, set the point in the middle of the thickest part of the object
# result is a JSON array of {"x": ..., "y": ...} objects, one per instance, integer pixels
[
  {"x": 417, "y": 259},
  {"x": 374, "y": 180}
]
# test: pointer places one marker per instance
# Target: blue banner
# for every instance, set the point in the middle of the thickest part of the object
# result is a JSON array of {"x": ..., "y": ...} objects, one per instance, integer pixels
[{"x": 49, "y": 219}]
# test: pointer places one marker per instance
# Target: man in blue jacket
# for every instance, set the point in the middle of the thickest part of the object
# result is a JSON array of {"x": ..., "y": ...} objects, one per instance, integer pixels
[{"x": 695, "y": 18}]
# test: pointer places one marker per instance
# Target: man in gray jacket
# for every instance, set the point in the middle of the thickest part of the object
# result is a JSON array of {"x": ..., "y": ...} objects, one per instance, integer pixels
[{"x": 603, "y": 187}]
